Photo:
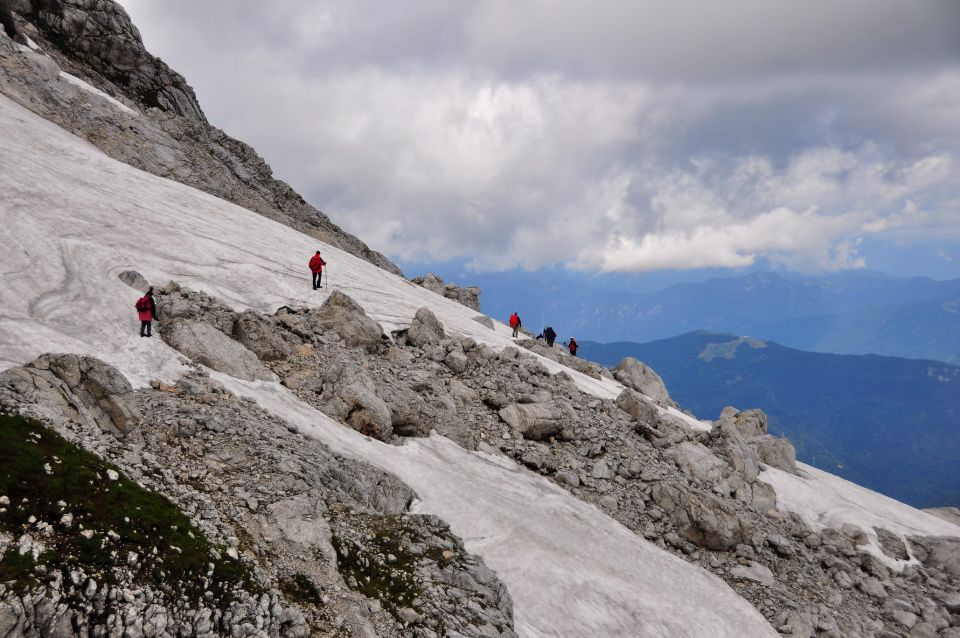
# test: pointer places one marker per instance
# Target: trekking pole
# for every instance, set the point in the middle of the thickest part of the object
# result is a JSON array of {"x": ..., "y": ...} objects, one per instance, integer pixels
[{"x": 327, "y": 270}]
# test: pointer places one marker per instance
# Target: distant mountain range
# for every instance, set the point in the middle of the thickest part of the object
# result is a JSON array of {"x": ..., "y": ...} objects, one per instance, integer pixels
[
  {"x": 847, "y": 313},
  {"x": 887, "y": 423}
]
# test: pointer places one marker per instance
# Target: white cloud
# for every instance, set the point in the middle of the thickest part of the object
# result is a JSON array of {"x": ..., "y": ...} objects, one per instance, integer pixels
[{"x": 606, "y": 135}]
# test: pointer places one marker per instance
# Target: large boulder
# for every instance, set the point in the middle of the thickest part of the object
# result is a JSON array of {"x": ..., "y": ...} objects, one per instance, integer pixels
[
  {"x": 469, "y": 297},
  {"x": 425, "y": 329},
  {"x": 535, "y": 421},
  {"x": 79, "y": 387},
  {"x": 344, "y": 316},
  {"x": 749, "y": 423},
  {"x": 698, "y": 461},
  {"x": 640, "y": 377},
  {"x": 638, "y": 407},
  {"x": 262, "y": 336},
  {"x": 941, "y": 552},
  {"x": 204, "y": 344},
  {"x": 778, "y": 453},
  {"x": 350, "y": 396},
  {"x": 701, "y": 518}
]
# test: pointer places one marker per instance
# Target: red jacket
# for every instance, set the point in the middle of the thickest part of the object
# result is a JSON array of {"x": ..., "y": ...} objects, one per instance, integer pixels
[
  {"x": 573, "y": 347},
  {"x": 514, "y": 320},
  {"x": 149, "y": 308},
  {"x": 316, "y": 264}
]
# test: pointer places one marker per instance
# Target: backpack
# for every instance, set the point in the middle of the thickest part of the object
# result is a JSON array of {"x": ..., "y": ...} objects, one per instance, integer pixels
[{"x": 143, "y": 303}]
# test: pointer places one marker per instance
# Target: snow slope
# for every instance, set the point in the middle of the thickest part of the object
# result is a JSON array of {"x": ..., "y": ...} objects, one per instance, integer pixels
[
  {"x": 824, "y": 500},
  {"x": 73, "y": 219}
]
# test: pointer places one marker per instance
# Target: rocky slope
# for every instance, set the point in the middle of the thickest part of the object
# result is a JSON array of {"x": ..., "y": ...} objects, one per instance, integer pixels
[
  {"x": 166, "y": 134},
  {"x": 697, "y": 493},
  {"x": 310, "y": 538},
  {"x": 302, "y": 542}
]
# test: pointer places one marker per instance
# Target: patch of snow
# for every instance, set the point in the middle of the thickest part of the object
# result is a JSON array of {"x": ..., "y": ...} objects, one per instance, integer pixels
[
  {"x": 74, "y": 80},
  {"x": 571, "y": 570},
  {"x": 823, "y": 500}
]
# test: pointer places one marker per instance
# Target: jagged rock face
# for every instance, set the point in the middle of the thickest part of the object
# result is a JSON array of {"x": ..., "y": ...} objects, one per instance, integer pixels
[
  {"x": 161, "y": 140},
  {"x": 469, "y": 296},
  {"x": 100, "y": 35}
]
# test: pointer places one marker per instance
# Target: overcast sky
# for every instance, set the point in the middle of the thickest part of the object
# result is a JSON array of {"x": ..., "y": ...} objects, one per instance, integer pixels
[{"x": 603, "y": 135}]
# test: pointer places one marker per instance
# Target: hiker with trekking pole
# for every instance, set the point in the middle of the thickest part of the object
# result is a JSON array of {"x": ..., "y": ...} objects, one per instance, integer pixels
[{"x": 316, "y": 268}]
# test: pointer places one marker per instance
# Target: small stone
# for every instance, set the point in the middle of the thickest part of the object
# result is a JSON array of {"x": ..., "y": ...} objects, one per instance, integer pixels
[{"x": 112, "y": 475}]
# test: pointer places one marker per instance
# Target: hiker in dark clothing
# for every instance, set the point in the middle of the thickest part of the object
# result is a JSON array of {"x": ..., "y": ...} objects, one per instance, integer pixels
[
  {"x": 572, "y": 346},
  {"x": 147, "y": 311},
  {"x": 550, "y": 335}
]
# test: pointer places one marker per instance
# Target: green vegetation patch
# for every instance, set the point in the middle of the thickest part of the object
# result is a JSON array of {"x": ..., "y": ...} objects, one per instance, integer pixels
[
  {"x": 376, "y": 563},
  {"x": 116, "y": 524}
]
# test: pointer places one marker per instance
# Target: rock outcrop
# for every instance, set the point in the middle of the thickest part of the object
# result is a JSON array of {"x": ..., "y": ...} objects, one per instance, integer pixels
[
  {"x": 640, "y": 377},
  {"x": 98, "y": 36},
  {"x": 469, "y": 296}
]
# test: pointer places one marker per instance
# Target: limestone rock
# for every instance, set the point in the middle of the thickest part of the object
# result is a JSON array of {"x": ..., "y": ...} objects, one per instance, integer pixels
[
  {"x": 755, "y": 571},
  {"x": 425, "y": 329},
  {"x": 344, "y": 316},
  {"x": 640, "y": 377},
  {"x": 698, "y": 461},
  {"x": 206, "y": 345},
  {"x": 535, "y": 421},
  {"x": 262, "y": 337},
  {"x": 483, "y": 320},
  {"x": 469, "y": 297},
  {"x": 778, "y": 453},
  {"x": 82, "y": 387},
  {"x": 637, "y": 407}
]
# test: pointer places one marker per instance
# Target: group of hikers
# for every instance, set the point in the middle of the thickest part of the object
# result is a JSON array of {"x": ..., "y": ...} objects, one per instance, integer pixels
[
  {"x": 146, "y": 307},
  {"x": 549, "y": 334}
]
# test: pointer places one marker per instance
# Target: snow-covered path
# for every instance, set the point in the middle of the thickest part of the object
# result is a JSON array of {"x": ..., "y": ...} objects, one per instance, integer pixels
[{"x": 73, "y": 219}]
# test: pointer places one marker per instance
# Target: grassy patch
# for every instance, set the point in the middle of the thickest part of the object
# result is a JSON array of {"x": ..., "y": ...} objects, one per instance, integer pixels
[
  {"x": 45, "y": 477},
  {"x": 392, "y": 581}
]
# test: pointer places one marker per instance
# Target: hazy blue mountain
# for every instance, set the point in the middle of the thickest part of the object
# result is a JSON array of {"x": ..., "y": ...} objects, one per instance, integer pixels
[
  {"x": 849, "y": 313},
  {"x": 890, "y": 424}
]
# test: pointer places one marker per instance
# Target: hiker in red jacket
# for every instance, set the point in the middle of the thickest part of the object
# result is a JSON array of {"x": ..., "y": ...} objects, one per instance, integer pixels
[
  {"x": 515, "y": 324},
  {"x": 316, "y": 267},
  {"x": 572, "y": 346},
  {"x": 147, "y": 311}
]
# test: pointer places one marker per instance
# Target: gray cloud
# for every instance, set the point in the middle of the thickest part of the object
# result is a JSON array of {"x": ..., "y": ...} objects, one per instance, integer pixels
[{"x": 605, "y": 135}]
